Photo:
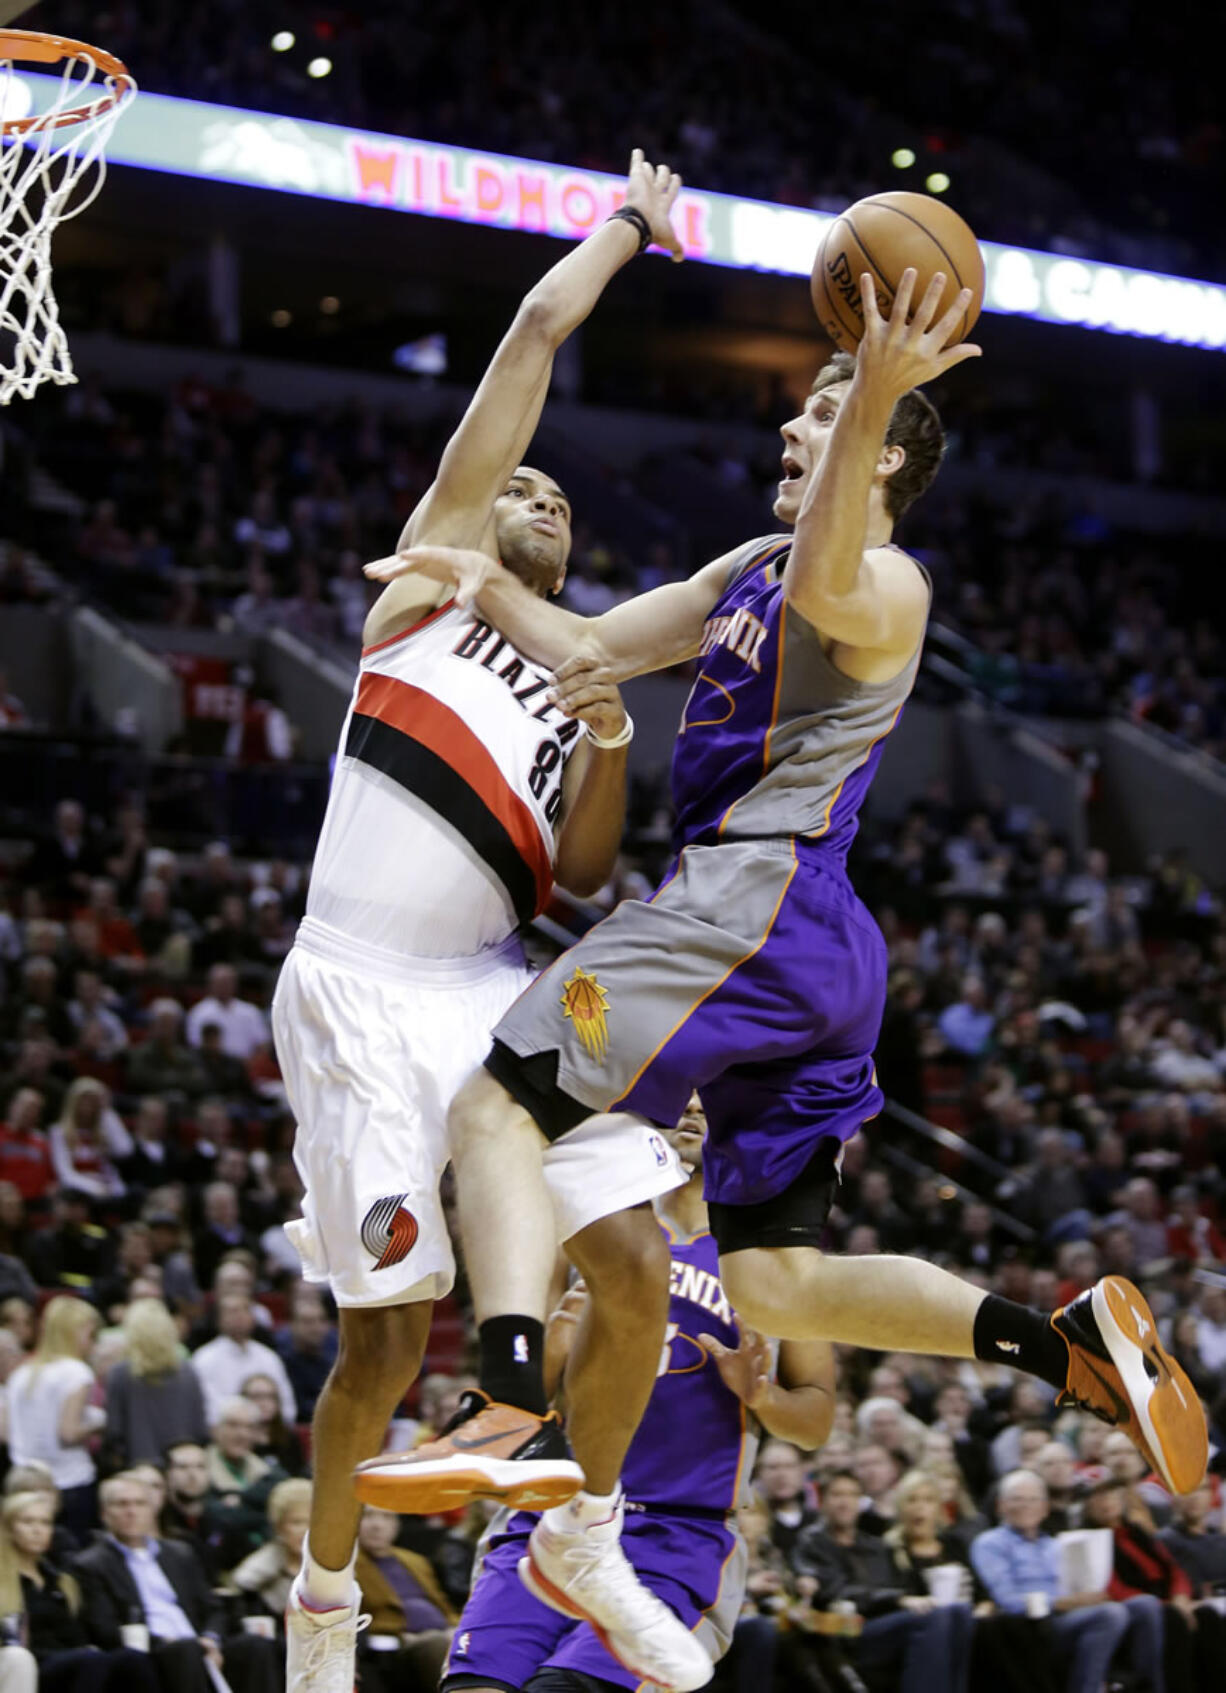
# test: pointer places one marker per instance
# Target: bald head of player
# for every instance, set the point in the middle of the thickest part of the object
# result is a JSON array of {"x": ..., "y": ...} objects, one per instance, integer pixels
[{"x": 532, "y": 525}]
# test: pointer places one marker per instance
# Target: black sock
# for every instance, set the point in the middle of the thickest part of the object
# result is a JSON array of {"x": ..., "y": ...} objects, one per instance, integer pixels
[
  {"x": 1006, "y": 1333},
  {"x": 512, "y": 1362}
]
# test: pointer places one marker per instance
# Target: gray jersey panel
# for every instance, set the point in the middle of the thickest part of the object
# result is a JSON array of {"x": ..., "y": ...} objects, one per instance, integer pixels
[
  {"x": 826, "y": 730},
  {"x": 647, "y": 967}
]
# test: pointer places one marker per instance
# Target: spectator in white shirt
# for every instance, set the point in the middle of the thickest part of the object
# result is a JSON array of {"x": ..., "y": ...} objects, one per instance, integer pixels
[
  {"x": 1177, "y": 1063},
  {"x": 50, "y": 1418},
  {"x": 244, "y": 1028},
  {"x": 230, "y": 1360},
  {"x": 89, "y": 1135}
]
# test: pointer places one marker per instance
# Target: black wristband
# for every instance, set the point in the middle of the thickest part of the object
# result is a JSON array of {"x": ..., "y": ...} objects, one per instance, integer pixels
[{"x": 631, "y": 215}]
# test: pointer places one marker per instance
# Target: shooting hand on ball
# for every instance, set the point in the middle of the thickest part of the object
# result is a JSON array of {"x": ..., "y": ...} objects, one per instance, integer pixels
[
  {"x": 897, "y": 354},
  {"x": 653, "y": 190}
]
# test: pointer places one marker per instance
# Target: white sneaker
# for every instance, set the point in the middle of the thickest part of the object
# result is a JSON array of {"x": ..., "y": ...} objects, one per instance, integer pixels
[
  {"x": 321, "y": 1647},
  {"x": 586, "y": 1574}
]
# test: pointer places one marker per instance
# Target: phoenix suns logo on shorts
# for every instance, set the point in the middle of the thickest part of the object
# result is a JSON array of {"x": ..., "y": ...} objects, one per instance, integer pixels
[
  {"x": 389, "y": 1231},
  {"x": 586, "y": 1003}
]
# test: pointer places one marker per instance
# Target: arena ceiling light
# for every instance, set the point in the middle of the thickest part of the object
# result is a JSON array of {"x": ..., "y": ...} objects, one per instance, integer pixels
[
  {"x": 321, "y": 66},
  {"x": 330, "y": 162},
  {"x": 282, "y": 41}
]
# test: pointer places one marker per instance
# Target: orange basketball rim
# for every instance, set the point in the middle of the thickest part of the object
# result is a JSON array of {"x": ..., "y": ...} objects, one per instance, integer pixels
[
  {"x": 52, "y": 165},
  {"x": 30, "y": 46}
]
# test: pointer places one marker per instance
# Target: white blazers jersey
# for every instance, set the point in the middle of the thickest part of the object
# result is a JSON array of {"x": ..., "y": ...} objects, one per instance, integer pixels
[{"x": 439, "y": 835}]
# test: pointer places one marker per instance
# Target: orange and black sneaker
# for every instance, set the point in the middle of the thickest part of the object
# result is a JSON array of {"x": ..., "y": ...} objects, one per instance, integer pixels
[
  {"x": 1119, "y": 1370},
  {"x": 486, "y": 1451}
]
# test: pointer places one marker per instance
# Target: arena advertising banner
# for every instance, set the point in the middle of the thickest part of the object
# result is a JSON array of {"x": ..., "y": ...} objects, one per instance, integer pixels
[{"x": 260, "y": 150}]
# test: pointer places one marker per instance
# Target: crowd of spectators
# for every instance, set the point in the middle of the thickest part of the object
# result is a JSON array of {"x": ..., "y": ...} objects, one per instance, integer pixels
[
  {"x": 1052, "y": 126},
  {"x": 1068, "y": 615},
  {"x": 155, "y": 1336},
  {"x": 1068, "y": 1023},
  {"x": 1049, "y": 987},
  {"x": 202, "y": 510}
]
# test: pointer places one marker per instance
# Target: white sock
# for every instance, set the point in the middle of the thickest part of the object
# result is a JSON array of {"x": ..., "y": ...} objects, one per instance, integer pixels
[
  {"x": 585, "y": 1511},
  {"x": 324, "y": 1589}
]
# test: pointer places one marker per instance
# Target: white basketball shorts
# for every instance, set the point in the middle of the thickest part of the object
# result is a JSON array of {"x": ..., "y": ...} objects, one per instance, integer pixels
[{"x": 373, "y": 1046}]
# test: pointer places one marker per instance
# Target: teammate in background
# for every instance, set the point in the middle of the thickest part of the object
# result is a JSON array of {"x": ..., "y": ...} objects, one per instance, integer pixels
[
  {"x": 754, "y": 972},
  {"x": 460, "y": 791},
  {"x": 684, "y": 1474}
]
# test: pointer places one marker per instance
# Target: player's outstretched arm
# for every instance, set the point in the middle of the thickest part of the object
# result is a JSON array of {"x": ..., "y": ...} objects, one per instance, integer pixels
[
  {"x": 649, "y": 632},
  {"x": 501, "y": 419},
  {"x": 494, "y": 433},
  {"x": 863, "y": 597}
]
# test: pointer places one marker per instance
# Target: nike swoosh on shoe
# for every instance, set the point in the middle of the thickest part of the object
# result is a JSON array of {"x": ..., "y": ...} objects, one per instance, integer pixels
[{"x": 463, "y": 1445}]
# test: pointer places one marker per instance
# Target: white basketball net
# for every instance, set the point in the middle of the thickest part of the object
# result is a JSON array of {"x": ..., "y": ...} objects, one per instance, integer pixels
[{"x": 46, "y": 175}]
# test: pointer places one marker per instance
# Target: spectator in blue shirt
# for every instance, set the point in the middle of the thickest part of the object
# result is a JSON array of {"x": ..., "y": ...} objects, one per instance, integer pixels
[
  {"x": 968, "y": 1025},
  {"x": 1020, "y": 1567}
]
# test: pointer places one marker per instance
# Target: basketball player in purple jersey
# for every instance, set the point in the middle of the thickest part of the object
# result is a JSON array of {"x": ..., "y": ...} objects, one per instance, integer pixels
[
  {"x": 754, "y": 972},
  {"x": 686, "y": 1470}
]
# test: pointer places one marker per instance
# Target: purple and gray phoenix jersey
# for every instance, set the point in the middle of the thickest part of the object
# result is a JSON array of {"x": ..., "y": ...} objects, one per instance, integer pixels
[
  {"x": 775, "y": 741},
  {"x": 689, "y": 1461},
  {"x": 753, "y": 973}
]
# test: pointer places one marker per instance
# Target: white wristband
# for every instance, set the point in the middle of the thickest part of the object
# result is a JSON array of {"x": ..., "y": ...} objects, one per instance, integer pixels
[{"x": 623, "y": 737}]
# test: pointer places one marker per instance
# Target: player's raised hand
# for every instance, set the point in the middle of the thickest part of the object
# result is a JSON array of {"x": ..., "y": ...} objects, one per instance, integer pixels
[
  {"x": 586, "y": 689},
  {"x": 745, "y": 1372},
  {"x": 905, "y": 350},
  {"x": 465, "y": 569},
  {"x": 653, "y": 190}
]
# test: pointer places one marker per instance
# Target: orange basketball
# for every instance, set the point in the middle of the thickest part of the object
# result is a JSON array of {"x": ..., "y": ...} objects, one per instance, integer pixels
[{"x": 883, "y": 236}]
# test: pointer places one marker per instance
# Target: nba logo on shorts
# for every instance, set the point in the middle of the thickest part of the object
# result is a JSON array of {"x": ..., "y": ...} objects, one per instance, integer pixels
[
  {"x": 660, "y": 1150},
  {"x": 389, "y": 1231}
]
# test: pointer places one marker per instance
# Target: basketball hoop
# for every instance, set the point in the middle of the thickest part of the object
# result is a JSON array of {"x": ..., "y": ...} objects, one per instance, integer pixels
[{"x": 52, "y": 165}]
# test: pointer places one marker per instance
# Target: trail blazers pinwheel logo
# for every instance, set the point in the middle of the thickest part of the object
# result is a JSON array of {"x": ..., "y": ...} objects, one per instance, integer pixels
[
  {"x": 389, "y": 1231},
  {"x": 586, "y": 1003}
]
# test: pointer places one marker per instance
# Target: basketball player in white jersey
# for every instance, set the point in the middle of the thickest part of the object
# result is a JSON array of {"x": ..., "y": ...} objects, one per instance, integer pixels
[{"x": 460, "y": 791}]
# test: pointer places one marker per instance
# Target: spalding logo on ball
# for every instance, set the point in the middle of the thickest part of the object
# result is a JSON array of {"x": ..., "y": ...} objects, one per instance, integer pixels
[
  {"x": 882, "y": 237},
  {"x": 389, "y": 1231}
]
